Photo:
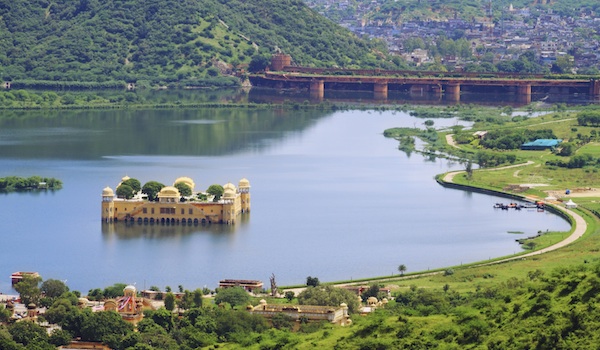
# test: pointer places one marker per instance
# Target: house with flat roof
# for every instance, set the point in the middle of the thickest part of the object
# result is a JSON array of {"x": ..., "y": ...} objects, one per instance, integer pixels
[{"x": 332, "y": 314}]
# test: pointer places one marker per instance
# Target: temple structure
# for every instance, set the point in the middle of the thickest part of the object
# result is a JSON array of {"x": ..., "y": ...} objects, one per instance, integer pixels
[
  {"x": 173, "y": 208},
  {"x": 128, "y": 306}
]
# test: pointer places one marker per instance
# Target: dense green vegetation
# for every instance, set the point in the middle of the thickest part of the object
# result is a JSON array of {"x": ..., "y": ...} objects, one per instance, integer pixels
[
  {"x": 62, "y": 44},
  {"x": 506, "y": 139},
  {"x": 549, "y": 309},
  {"x": 16, "y": 183}
]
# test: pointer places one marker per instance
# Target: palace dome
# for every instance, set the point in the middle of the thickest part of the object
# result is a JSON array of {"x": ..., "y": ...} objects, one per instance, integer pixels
[
  {"x": 244, "y": 183},
  {"x": 229, "y": 185},
  {"x": 108, "y": 192},
  {"x": 186, "y": 180},
  {"x": 229, "y": 193},
  {"x": 168, "y": 191},
  {"x": 129, "y": 287},
  {"x": 125, "y": 178}
]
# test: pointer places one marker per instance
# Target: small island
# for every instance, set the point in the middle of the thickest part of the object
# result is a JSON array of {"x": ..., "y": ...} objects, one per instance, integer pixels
[
  {"x": 155, "y": 203},
  {"x": 33, "y": 183}
]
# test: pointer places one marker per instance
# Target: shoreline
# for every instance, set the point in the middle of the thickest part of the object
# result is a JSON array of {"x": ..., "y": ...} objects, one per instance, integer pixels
[{"x": 578, "y": 226}]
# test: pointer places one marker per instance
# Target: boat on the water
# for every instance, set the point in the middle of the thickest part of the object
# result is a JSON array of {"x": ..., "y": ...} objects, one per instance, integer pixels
[
  {"x": 18, "y": 276},
  {"x": 517, "y": 206}
]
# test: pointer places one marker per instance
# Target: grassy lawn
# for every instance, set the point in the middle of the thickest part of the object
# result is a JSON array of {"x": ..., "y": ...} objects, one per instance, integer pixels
[{"x": 592, "y": 148}]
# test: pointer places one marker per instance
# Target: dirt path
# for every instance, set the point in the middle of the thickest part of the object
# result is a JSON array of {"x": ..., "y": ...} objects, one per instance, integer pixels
[
  {"x": 450, "y": 141},
  {"x": 449, "y": 177}
]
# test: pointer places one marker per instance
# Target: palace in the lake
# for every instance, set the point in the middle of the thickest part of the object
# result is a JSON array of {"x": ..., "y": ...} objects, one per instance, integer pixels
[{"x": 173, "y": 208}]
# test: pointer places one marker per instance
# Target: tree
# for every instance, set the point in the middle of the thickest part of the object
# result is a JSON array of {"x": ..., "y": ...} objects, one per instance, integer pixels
[
  {"x": 216, "y": 191},
  {"x": 402, "y": 269},
  {"x": 60, "y": 337},
  {"x": 4, "y": 314},
  {"x": 114, "y": 291},
  {"x": 170, "y": 301},
  {"x": 125, "y": 191},
  {"x": 198, "y": 297},
  {"x": 28, "y": 333},
  {"x": 312, "y": 281},
  {"x": 563, "y": 64},
  {"x": 133, "y": 183},
  {"x": 328, "y": 296},
  {"x": 282, "y": 321},
  {"x": 54, "y": 288},
  {"x": 28, "y": 289},
  {"x": 151, "y": 189},
  {"x": 469, "y": 171},
  {"x": 184, "y": 189},
  {"x": 258, "y": 63},
  {"x": 64, "y": 313},
  {"x": 289, "y": 295},
  {"x": 101, "y": 324},
  {"x": 234, "y": 296},
  {"x": 163, "y": 318},
  {"x": 567, "y": 149},
  {"x": 373, "y": 291}
]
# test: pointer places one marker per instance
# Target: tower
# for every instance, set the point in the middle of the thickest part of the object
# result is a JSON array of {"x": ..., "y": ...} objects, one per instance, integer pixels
[
  {"x": 244, "y": 190},
  {"x": 108, "y": 205},
  {"x": 229, "y": 198},
  {"x": 127, "y": 304}
]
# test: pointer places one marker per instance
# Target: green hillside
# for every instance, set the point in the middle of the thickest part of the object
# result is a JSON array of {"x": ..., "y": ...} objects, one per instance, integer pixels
[{"x": 165, "y": 41}]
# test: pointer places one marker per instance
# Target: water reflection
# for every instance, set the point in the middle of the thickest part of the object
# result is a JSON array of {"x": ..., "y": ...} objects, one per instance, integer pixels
[
  {"x": 394, "y": 97},
  {"x": 189, "y": 132},
  {"x": 122, "y": 230}
]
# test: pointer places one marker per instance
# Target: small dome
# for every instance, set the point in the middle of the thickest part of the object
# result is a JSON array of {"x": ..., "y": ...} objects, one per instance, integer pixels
[
  {"x": 125, "y": 178},
  {"x": 129, "y": 287},
  {"x": 168, "y": 192},
  {"x": 229, "y": 193},
  {"x": 244, "y": 183},
  {"x": 186, "y": 180},
  {"x": 262, "y": 302},
  {"x": 229, "y": 185},
  {"x": 108, "y": 192}
]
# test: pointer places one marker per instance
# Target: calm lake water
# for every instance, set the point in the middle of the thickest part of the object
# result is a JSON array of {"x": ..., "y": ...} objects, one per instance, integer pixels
[{"x": 331, "y": 197}]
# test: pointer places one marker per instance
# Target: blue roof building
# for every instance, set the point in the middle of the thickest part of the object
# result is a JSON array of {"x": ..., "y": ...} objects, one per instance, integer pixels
[{"x": 541, "y": 144}]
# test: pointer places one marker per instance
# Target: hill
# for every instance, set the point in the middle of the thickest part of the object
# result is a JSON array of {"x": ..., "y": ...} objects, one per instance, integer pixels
[{"x": 165, "y": 41}]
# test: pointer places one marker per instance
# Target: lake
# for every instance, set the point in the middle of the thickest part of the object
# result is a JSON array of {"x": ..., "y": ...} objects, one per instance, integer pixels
[{"x": 331, "y": 198}]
